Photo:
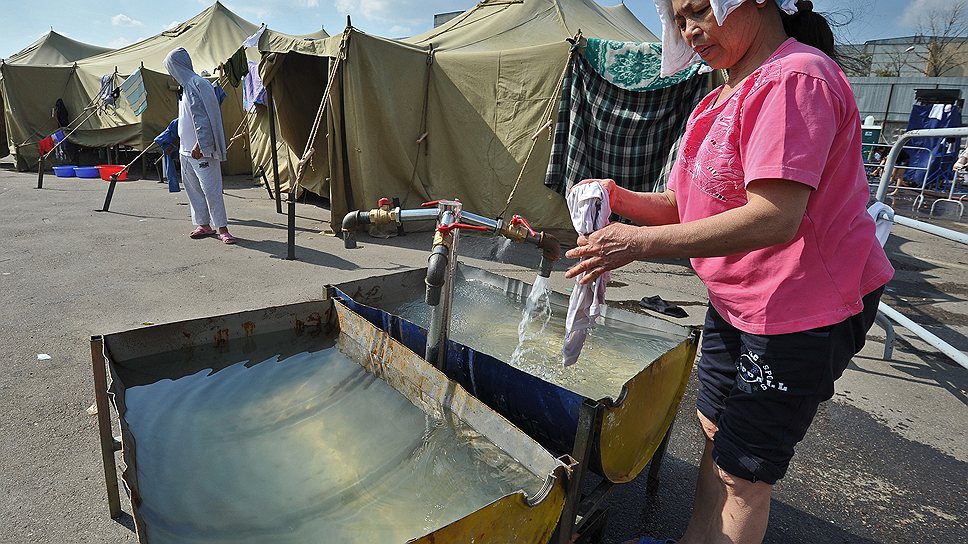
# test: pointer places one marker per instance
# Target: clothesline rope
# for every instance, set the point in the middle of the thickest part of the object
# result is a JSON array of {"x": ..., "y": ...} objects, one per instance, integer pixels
[{"x": 549, "y": 123}]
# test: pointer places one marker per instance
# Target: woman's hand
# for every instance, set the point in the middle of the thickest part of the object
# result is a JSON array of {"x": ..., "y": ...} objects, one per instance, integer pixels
[
  {"x": 608, "y": 248},
  {"x": 608, "y": 185},
  {"x": 197, "y": 152}
]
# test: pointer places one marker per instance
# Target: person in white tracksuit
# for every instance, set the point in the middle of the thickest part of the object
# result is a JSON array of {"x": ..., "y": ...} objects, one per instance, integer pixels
[{"x": 202, "y": 148}]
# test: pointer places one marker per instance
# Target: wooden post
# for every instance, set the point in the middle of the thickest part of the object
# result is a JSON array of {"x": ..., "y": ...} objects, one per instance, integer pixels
[{"x": 105, "y": 432}]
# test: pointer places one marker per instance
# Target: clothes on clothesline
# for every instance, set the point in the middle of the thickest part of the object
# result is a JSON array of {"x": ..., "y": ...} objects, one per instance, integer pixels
[
  {"x": 589, "y": 208},
  {"x": 253, "y": 40},
  {"x": 61, "y": 113},
  {"x": 58, "y": 138},
  {"x": 236, "y": 67},
  {"x": 603, "y": 131},
  {"x": 133, "y": 89},
  {"x": 253, "y": 92},
  {"x": 633, "y": 66},
  {"x": 108, "y": 94},
  {"x": 45, "y": 145}
]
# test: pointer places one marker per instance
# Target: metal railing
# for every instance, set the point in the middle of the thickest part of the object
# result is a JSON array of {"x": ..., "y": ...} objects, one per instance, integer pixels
[{"x": 957, "y": 356}]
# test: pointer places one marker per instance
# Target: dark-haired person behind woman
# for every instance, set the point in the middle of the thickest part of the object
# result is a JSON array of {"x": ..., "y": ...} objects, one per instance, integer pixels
[{"x": 768, "y": 198}]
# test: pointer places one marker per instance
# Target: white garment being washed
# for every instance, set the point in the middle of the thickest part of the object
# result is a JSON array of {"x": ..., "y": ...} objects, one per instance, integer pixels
[
  {"x": 588, "y": 204},
  {"x": 203, "y": 183}
]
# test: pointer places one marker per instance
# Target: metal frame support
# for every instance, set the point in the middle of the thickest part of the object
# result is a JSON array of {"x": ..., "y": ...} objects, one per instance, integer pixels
[
  {"x": 108, "y": 444},
  {"x": 589, "y": 420},
  {"x": 890, "y": 337}
]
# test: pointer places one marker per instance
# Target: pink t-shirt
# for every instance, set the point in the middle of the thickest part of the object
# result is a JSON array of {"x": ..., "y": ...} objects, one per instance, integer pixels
[{"x": 794, "y": 118}]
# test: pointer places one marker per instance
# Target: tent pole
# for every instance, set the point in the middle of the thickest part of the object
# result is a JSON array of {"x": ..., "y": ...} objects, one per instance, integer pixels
[{"x": 272, "y": 144}]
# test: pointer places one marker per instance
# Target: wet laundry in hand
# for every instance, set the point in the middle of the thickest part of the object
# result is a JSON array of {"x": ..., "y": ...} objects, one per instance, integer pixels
[{"x": 588, "y": 204}]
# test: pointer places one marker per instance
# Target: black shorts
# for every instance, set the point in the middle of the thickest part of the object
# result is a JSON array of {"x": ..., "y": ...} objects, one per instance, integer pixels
[{"x": 763, "y": 390}]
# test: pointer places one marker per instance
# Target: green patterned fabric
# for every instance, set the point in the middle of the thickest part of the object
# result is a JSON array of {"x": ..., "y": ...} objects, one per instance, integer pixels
[{"x": 632, "y": 66}]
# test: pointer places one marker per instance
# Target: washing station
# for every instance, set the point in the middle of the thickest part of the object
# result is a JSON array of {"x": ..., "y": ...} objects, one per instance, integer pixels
[
  {"x": 304, "y": 423},
  {"x": 611, "y": 411}
]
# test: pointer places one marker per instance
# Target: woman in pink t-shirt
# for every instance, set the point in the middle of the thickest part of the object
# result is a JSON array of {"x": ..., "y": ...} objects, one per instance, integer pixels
[{"x": 768, "y": 199}]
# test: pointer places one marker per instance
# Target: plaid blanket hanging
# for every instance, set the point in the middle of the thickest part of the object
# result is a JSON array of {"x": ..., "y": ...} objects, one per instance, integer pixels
[{"x": 604, "y": 131}]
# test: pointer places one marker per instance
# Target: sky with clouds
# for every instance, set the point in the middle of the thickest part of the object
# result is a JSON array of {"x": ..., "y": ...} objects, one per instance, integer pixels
[{"x": 123, "y": 22}]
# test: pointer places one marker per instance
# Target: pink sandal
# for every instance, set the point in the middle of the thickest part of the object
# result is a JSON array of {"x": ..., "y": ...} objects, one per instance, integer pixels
[
  {"x": 226, "y": 238},
  {"x": 201, "y": 232}
]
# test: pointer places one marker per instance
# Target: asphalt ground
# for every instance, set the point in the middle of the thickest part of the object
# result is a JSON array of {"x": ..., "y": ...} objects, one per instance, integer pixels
[{"x": 885, "y": 461}]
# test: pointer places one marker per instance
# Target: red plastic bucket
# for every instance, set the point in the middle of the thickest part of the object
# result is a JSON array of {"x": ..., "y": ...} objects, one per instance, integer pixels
[{"x": 106, "y": 170}]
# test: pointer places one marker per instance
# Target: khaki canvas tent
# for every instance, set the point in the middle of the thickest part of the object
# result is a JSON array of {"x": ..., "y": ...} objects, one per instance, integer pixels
[
  {"x": 447, "y": 114},
  {"x": 211, "y": 37},
  {"x": 50, "y": 49}
]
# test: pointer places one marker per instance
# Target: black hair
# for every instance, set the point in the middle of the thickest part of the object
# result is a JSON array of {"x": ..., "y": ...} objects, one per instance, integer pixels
[{"x": 809, "y": 27}]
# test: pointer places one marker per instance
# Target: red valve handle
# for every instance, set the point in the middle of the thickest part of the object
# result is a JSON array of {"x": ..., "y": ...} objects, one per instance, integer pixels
[
  {"x": 445, "y": 229},
  {"x": 435, "y": 202},
  {"x": 518, "y": 220},
  {"x": 383, "y": 202}
]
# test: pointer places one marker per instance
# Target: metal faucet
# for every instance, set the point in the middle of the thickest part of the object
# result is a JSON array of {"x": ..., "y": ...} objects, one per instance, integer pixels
[{"x": 442, "y": 264}]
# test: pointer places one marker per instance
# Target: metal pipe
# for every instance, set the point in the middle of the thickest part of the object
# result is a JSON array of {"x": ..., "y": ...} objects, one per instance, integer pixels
[
  {"x": 350, "y": 222},
  {"x": 949, "y": 234},
  {"x": 896, "y": 151},
  {"x": 955, "y": 355},
  {"x": 420, "y": 214},
  {"x": 493, "y": 225},
  {"x": 436, "y": 349}
]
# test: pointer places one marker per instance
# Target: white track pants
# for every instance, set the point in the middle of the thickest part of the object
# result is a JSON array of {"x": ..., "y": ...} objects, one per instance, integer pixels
[{"x": 203, "y": 183}]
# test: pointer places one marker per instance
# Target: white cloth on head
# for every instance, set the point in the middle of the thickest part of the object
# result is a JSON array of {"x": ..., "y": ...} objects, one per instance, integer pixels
[
  {"x": 676, "y": 53},
  {"x": 203, "y": 183},
  {"x": 588, "y": 204}
]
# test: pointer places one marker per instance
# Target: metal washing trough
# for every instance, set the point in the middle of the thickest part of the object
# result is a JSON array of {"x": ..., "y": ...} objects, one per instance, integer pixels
[
  {"x": 615, "y": 438},
  {"x": 131, "y": 359}
]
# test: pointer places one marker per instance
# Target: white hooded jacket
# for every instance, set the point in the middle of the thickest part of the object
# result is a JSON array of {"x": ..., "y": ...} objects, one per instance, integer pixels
[{"x": 201, "y": 100}]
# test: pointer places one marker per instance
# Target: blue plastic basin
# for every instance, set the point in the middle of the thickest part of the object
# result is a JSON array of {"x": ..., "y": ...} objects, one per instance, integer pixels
[
  {"x": 86, "y": 172},
  {"x": 66, "y": 171}
]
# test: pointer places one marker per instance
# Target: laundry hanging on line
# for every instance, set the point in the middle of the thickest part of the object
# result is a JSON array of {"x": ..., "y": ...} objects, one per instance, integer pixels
[
  {"x": 236, "y": 67},
  {"x": 133, "y": 89},
  {"x": 605, "y": 131},
  {"x": 253, "y": 92}
]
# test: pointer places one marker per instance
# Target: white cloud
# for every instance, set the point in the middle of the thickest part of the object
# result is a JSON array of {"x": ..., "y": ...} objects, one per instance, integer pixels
[
  {"x": 123, "y": 20},
  {"x": 918, "y": 10},
  {"x": 399, "y": 30},
  {"x": 309, "y": 3},
  {"x": 172, "y": 25}
]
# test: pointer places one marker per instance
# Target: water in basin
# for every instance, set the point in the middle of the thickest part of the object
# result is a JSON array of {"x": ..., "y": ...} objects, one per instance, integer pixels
[
  {"x": 489, "y": 320},
  {"x": 303, "y": 448}
]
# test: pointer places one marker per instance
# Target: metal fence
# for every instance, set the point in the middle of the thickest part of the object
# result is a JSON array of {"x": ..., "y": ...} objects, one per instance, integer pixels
[{"x": 884, "y": 310}]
